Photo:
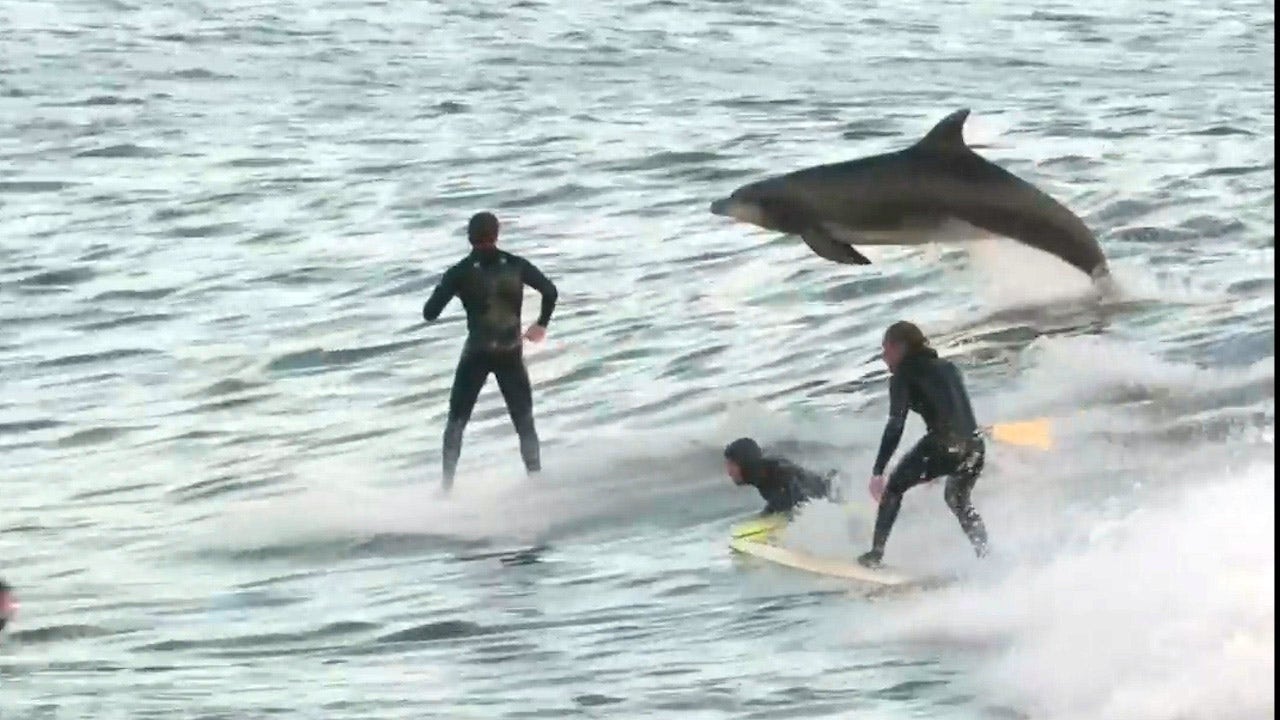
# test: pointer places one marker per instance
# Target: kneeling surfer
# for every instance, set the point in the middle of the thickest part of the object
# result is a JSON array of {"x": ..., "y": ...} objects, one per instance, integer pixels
[
  {"x": 783, "y": 484},
  {"x": 933, "y": 387}
]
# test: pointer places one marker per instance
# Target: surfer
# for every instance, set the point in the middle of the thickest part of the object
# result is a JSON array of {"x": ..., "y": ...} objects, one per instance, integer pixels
[
  {"x": 490, "y": 283},
  {"x": 783, "y": 484},
  {"x": 8, "y": 605},
  {"x": 933, "y": 387}
]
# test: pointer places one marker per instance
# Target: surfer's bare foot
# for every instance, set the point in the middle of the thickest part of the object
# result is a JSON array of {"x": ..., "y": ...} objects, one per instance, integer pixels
[{"x": 870, "y": 559}]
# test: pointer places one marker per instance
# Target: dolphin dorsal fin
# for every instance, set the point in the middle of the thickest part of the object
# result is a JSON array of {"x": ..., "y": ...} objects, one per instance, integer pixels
[{"x": 948, "y": 135}]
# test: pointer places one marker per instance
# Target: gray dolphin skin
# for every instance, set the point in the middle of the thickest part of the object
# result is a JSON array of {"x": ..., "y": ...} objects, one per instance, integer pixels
[{"x": 937, "y": 190}]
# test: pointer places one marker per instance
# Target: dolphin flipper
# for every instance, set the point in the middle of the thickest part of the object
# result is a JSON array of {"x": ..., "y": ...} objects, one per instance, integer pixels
[{"x": 827, "y": 248}]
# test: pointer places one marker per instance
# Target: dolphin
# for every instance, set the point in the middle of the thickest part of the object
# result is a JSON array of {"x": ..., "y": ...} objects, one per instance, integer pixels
[{"x": 937, "y": 190}]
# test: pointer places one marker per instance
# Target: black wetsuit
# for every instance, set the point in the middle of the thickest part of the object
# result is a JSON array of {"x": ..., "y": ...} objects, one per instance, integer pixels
[
  {"x": 952, "y": 445},
  {"x": 783, "y": 484},
  {"x": 491, "y": 287}
]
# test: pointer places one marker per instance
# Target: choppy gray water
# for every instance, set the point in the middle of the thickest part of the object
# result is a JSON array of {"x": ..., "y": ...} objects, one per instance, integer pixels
[{"x": 220, "y": 413}]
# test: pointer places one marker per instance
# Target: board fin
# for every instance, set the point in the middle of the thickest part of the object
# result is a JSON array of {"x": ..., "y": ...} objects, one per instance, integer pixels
[{"x": 1036, "y": 433}]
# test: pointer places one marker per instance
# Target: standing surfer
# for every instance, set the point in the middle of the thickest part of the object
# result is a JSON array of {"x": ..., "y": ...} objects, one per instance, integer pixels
[
  {"x": 934, "y": 388},
  {"x": 490, "y": 282}
]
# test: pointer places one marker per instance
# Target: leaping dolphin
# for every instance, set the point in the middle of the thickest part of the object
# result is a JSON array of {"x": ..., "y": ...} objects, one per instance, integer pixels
[{"x": 937, "y": 190}]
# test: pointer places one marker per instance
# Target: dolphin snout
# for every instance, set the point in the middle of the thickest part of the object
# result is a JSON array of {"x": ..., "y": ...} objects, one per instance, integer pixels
[{"x": 736, "y": 208}]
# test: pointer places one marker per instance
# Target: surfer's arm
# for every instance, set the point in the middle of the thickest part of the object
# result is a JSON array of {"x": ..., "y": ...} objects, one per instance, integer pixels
[
  {"x": 441, "y": 296},
  {"x": 534, "y": 278},
  {"x": 893, "y": 428},
  {"x": 775, "y": 506},
  {"x": 776, "y": 498}
]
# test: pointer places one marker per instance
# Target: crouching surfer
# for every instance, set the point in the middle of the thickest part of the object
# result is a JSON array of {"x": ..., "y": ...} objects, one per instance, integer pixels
[{"x": 783, "y": 484}]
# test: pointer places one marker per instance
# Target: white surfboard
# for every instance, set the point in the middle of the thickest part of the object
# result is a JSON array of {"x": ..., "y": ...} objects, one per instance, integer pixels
[{"x": 821, "y": 566}]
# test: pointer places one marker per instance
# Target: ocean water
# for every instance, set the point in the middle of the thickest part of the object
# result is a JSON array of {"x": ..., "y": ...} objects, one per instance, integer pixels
[{"x": 220, "y": 413}]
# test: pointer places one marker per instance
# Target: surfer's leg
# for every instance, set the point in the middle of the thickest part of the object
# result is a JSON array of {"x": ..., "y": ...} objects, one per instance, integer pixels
[
  {"x": 911, "y": 471},
  {"x": 513, "y": 381},
  {"x": 960, "y": 487},
  {"x": 468, "y": 380}
]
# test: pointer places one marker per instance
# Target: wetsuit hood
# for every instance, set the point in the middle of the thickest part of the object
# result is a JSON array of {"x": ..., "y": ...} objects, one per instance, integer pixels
[{"x": 747, "y": 454}]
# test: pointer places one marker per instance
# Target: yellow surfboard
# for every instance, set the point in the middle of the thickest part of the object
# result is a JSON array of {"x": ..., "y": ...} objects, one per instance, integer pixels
[
  {"x": 765, "y": 527},
  {"x": 760, "y": 528}
]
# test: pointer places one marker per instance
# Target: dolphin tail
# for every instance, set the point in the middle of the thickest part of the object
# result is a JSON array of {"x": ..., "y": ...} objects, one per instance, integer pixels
[
  {"x": 1023, "y": 212},
  {"x": 826, "y": 247},
  {"x": 1018, "y": 210},
  {"x": 1106, "y": 284}
]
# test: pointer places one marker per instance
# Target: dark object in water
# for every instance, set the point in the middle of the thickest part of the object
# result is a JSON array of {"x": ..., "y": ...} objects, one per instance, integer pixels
[{"x": 8, "y": 604}]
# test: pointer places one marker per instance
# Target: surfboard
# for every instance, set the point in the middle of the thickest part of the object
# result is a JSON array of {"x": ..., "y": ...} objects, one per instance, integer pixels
[
  {"x": 760, "y": 528},
  {"x": 765, "y": 527},
  {"x": 756, "y": 537},
  {"x": 820, "y": 566}
]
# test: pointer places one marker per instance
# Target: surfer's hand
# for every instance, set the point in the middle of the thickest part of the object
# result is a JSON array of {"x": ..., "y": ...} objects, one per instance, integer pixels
[
  {"x": 535, "y": 333},
  {"x": 876, "y": 486}
]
